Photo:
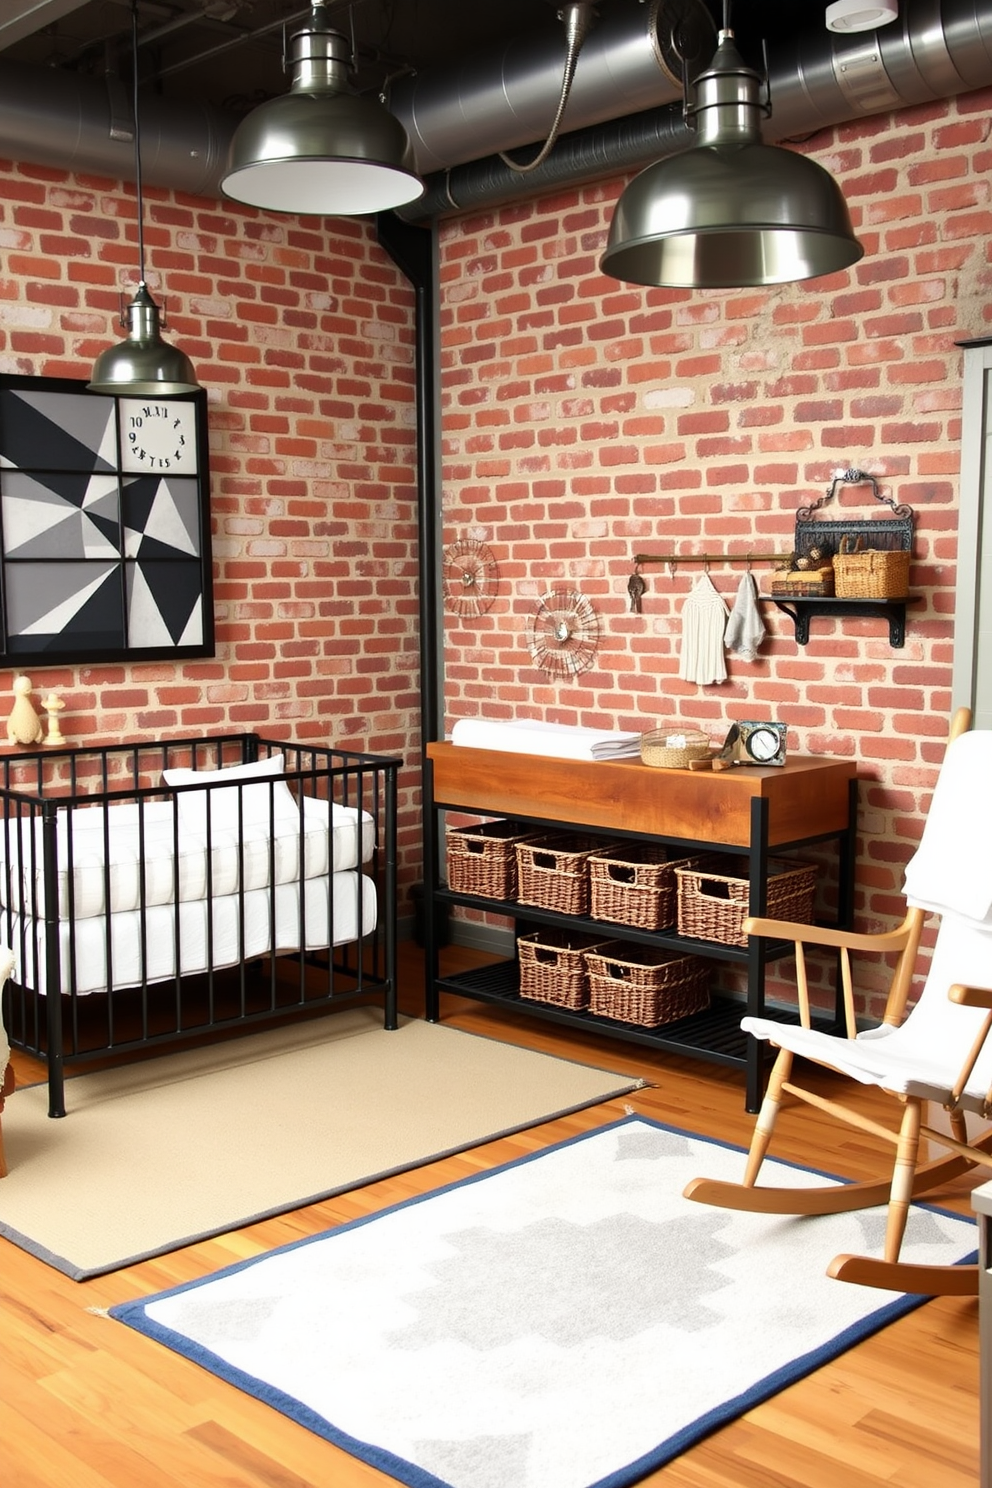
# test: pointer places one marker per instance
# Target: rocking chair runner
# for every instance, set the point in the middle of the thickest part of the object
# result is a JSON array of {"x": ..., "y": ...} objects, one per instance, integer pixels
[{"x": 939, "y": 1053}]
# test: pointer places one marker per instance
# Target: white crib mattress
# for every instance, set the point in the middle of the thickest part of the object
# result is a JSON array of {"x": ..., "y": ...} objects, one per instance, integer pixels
[
  {"x": 221, "y": 937},
  {"x": 116, "y": 855}
]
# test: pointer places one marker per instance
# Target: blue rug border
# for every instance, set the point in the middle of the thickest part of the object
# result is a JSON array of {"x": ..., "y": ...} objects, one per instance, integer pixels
[{"x": 134, "y": 1315}]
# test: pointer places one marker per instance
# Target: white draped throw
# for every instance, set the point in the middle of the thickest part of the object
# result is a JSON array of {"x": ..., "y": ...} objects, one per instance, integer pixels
[{"x": 704, "y": 620}]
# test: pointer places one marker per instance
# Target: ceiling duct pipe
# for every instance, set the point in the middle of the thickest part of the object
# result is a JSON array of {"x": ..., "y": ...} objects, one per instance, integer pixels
[
  {"x": 52, "y": 116},
  {"x": 585, "y": 155},
  {"x": 937, "y": 49},
  {"x": 630, "y": 60}
]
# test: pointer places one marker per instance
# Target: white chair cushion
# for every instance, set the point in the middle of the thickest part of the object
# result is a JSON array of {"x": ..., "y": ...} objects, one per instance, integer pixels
[{"x": 925, "y": 1055}]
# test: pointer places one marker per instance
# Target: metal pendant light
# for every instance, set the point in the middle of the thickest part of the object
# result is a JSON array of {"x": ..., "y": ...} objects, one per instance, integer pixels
[
  {"x": 729, "y": 211},
  {"x": 321, "y": 149},
  {"x": 143, "y": 363}
]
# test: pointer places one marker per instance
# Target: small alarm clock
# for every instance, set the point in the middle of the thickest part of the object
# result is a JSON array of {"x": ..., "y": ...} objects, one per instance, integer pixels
[{"x": 762, "y": 743}]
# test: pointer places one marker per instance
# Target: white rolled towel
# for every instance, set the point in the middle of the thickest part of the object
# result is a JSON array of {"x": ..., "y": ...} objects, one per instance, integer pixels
[{"x": 557, "y": 740}]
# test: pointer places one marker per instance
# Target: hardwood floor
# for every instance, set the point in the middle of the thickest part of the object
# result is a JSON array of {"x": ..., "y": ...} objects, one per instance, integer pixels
[{"x": 87, "y": 1403}]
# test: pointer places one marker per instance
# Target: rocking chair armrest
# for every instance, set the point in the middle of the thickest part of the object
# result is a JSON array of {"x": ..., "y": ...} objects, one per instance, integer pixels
[
  {"x": 976, "y": 997},
  {"x": 825, "y": 935}
]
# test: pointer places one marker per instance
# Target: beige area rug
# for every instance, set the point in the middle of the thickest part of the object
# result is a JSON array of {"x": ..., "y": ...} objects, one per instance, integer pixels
[{"x": 172, "y": 1150}]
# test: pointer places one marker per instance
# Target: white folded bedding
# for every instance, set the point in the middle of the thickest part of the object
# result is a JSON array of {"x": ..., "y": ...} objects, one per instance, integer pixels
[
  {"x": 114, "y": 855},
  {"x": 213, "y": 933},
  {"x": 556, "y": 740}
]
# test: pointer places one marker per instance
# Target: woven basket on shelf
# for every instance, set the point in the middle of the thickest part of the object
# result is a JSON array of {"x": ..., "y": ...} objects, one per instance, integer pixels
[
  {"x": 810, "y": 583},
  {"x": 551, "y": 871},
  {"x": 552, "y": 967},
  {"x": 634, "y": 885},
  {"x": 870, "y": 573},
  {"x": 713, "y": 898},
  {"x": 673, "y": 745},
  {"x": 482, "y": 859},
  {"x": 645, "y": 985}
]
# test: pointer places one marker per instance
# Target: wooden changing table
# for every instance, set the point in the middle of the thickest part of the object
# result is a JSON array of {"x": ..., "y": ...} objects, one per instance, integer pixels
[{"x": 750, "y": 811}]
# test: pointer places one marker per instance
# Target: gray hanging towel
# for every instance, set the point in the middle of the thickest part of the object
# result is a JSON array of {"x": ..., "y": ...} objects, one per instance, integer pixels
[
  {"x": 745, "y": 628},
  {"x": 704, "y": 620}
]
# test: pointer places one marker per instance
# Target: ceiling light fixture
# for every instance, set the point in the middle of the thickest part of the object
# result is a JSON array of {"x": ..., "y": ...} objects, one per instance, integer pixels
[
  {"x": 143, "y": 363},
  {"x": 861, "y": 15},
  {"x": 729, "y": 211},
  {"x": 321, "y": 149}
]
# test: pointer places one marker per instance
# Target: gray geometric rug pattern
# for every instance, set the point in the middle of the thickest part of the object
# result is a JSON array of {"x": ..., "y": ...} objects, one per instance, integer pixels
[{"x": 565, "y": 1321}]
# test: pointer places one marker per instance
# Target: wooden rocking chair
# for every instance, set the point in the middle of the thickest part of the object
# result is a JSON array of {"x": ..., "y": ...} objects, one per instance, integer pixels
[{"x": 935, "y": 1054}]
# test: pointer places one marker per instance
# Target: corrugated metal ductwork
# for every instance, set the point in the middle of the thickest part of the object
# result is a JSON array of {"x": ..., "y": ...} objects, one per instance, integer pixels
[
  {"x": 629, "y": 62},
  {"x": 52, "y": 117},
  {"x": 937, "y": 49}
]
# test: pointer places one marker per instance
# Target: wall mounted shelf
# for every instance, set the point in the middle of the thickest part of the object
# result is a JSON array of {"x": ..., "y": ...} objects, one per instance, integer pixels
[{"x": 801, "y": 610}]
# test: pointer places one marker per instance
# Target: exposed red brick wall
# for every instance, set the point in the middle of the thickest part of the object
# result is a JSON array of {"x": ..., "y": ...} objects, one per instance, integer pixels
[
  {"x": 302, "y": 334},
  {"x": 586, "y": 420}
]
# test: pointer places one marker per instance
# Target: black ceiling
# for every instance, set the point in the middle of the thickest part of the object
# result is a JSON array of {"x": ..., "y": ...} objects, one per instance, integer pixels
[{"x": 229, "y": 52}]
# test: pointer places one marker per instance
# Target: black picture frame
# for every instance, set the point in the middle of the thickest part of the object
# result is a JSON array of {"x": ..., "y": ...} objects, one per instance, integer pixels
[{"x": 105, "y": 549}]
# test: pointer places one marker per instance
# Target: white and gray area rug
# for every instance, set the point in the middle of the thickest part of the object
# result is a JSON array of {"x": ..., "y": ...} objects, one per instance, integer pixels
[{"x": 565, "y": 1321}]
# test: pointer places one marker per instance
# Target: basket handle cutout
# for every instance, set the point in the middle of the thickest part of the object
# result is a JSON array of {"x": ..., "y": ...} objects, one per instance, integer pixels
[
  {"x": 545, "y": 860},
  {"x": 621, "y": 873},
  {"x": 714, "y": 888}
]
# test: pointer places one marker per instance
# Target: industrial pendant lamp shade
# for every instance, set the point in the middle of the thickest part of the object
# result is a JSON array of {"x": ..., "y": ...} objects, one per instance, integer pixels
[
  {"x": 321, "y": 149},
  {"x": 729, "y": 211},
  {"x": 143, "y": 362}
]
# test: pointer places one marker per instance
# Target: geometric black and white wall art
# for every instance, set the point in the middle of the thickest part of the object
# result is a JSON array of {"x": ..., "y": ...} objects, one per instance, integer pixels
[{"x": 104, "y": 524}]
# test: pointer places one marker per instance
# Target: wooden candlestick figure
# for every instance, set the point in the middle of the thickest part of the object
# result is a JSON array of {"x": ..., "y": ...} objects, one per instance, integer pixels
[
  {"x": 53, "y": 706},
  {"x": 23, "y": 725}
]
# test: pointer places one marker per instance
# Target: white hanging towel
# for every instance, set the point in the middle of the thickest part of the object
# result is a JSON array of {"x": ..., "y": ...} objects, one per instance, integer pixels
[
  {"x": 745, "y": 628},
  {"x": 704, "y": 620}
]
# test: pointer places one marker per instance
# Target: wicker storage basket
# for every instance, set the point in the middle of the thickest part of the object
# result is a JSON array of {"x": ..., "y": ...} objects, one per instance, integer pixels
[
  {"x": 871, "y": 573},
  {"x": 713, "y": 898},
  {"x": 808, "y": 583},
  {"x": 553, "y": 969},
  {"x": 673, "y": 745},
  {"x": 482, "y": 859},
  {"x": 551, "y": 871},
  {"x": 634, "y": 885},
  {"x": 645, "y": 985}
]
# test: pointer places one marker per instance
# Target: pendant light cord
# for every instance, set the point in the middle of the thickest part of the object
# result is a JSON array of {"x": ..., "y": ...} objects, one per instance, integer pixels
[
  {"x": 137, "y": 140},
  {"x": 579, "y": 19}
]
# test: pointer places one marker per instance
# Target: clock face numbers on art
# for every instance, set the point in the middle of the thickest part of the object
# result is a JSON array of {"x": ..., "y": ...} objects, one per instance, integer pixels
[{"x": 158, "y": 436}]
